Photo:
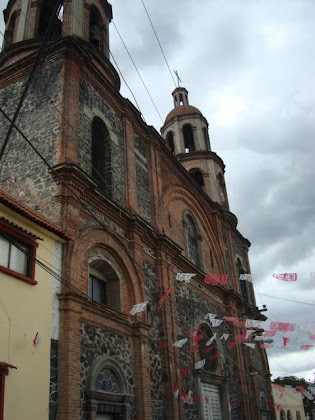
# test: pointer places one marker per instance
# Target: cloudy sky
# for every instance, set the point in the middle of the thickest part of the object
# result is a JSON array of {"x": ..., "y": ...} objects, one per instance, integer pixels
[{"x": 249, "y": 67}]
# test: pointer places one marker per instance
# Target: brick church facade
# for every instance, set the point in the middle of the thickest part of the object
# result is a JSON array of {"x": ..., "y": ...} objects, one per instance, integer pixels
[{"x": 146, "y": 207}]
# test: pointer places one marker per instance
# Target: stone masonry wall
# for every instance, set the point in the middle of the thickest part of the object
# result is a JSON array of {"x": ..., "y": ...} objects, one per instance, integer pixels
[
  {"x": 97, "y": 341},
  {"x": 53, "y": 387},
  {"x": 39, "y": 121}
]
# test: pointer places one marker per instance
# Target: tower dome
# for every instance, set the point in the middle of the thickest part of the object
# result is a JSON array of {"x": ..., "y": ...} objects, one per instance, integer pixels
[{"x": 185, "y": 131}]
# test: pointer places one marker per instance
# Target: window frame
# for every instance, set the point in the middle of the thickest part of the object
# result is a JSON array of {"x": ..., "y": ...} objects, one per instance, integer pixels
[
  {"x": 3, "y": 373},
  {"x": 31, "y": 259}
]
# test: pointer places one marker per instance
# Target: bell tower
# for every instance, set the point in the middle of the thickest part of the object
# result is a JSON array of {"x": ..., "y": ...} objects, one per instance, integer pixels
[{"x": 186, "y": 133}]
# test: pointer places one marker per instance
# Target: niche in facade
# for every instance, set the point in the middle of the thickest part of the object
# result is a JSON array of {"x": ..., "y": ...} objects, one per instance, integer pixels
[
  {"x": 189, "y": 142},
  {"x": 101, "y": 155},
  {"x": 197, "y": 175},
  {"x": 47, "y": 10}
]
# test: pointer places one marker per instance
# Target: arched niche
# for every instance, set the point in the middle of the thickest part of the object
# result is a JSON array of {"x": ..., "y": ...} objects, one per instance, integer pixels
[
  {"x": 101, "y": 156},
  {"x": 189, "y": 142},
  {"x": 197, "y": 175},
  {"x": 107, "y": 390}
]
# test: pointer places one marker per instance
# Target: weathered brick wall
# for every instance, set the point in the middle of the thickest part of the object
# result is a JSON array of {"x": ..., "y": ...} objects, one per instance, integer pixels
[
  {"x": 23, "y": 174},
  {"x": 93, "y": 105},
  {"x": 142, "y": 179}
]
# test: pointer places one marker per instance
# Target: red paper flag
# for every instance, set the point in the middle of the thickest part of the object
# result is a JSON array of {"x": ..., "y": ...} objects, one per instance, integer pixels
[
  {"x": 285, "y": 341},
  {"x": 214, "y": 356},
  {"x": 306, "y": 347},
  {"x": 193, "y": 330},
  {"x": 185, "y": 371},
  {"x": 216, "y": 279},
  {"x": 280, "y": 396},
  {"x": 266, "y": 346},
  {"x": 162, "y": 299},
  {"x": 311, "y": 336},
  {"x": 161, "y": 346},
  {"x": 286, "y": 276},
  {"x": 176, "y": 391},
  {"x": 282, "y": 326},
  {"x": 208, "y": 348},
  {"x": 279, "y": 387},
  {"x": 197, "y": 398},
  {"x": 183, "y": 394},
  {"x": 300, "y": 388},
  {"x": 270, "y": 403},
  {"x": 193, "y": 348},
  {"x": 232, "y": 344},
  {"x": 278, "y": 408},
  {"x": 197, "y": 338},
  {"x": 207, "y": 400},
  {"x": 269, "y": 333},
  {"x": 36, "y": 339}
]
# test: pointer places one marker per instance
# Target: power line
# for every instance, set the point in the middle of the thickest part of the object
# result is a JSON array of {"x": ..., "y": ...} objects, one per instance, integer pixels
[
  {"x": 137, "y": 71},
  {"x": 287, "y": 300},
  {"x": 159, "y": 42}
]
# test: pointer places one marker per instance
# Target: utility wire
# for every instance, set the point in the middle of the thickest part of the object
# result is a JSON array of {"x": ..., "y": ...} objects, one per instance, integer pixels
[
  {"x": 159, "y": 42},
  {"x": 287, "y": 300},
  {"x": 56, "y": 12},
  {"x": 134, "y": 64}
]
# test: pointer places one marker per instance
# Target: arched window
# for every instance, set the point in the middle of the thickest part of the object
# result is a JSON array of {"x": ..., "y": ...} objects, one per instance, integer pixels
[
  {"x": 101, "y": 156},
  {"x": 208, "y": 352},
  {"x": 289, "y": 415},
  {"x": 263, "y": 405},
  {"x": 170, "y": 141},
  {"x": 298, "y": 415},
  {"x": 96, "y": 36},
  {"x": 104, "y": 285},
  {"x": 46, "y": 11},
  {"x": 197, "y": 175},
  {"x": 282, "y": 415},
  {"x": 193, "y": 241},
  {"x": 243, "y": 285},
  {"x": 108, "y": 390},
  {"x": 9, "y": 33},
  {"x": 189, "y": 142}
]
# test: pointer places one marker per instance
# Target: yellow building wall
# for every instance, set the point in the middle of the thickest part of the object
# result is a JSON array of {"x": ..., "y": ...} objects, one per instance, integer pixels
[
  {"x": 24, "y": 310},
  {"x": 289, "y": 400}
]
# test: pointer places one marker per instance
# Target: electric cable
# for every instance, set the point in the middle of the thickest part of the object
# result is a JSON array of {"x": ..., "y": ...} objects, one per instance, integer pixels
[
  {"x": 158, "y": 42},
  {"x": 134, "y": 64}
]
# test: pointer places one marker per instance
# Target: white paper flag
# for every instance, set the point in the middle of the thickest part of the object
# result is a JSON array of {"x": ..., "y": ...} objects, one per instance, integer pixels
[
  {"x": 253, "y": 323},
  {"x": 185, "y": 277},
  {"x": 216, "y": 322},
  {"x": 200, "y": 364},
  {"x": 249, "y": 332},
  {"x": 259, "y": 338},
  {"x": 247, "y": 277},
  {"x": 224, "y": 336},
  {"x": 180, "y": 343},
  {"x": 210, "y": 316},
  {"x": 251, "y": 345},
  {"x": 139, "y": 307},
  {"x": 209, "y": 342}
]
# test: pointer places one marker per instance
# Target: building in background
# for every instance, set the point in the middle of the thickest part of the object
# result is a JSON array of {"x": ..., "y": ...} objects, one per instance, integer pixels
[
  {"x": 138, "y": 208},
  {"x": 288, "y": 403},
  {"x": 30, "y": 251}
]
